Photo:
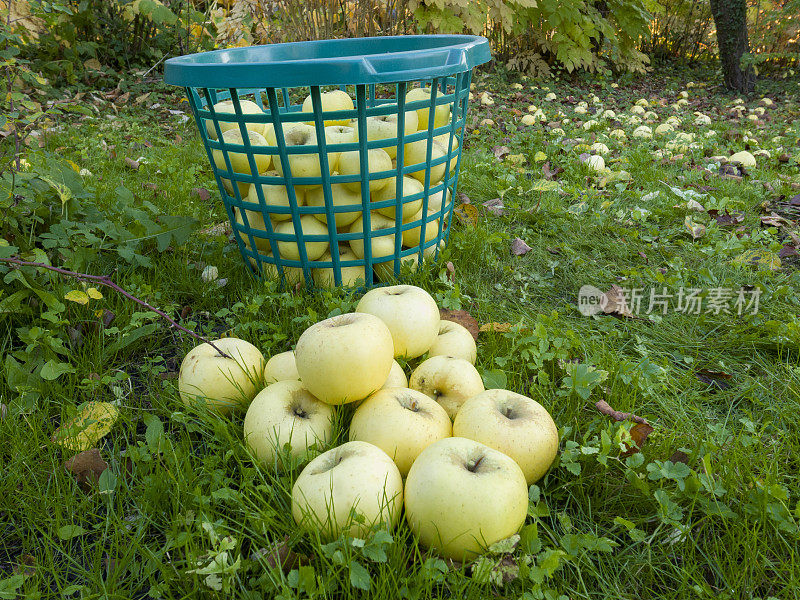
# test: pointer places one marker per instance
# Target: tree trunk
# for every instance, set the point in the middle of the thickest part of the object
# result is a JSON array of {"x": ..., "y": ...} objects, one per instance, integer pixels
[{"x": 730, "y": 18}]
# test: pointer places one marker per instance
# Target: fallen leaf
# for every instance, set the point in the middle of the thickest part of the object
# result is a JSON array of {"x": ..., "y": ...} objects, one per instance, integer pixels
[
  {"x": 132, "y": 164},
  {"x": 123, "y": 99},
  {"x": 451, "y": 270},
  {"x": 495, "y": 206},
  {"x": 223, "y": 228},
  {"x": 616, "y": 303},
  {"x": 201, "y": 193},
  {"x": 605, "y": 408},
  {"x": 463, "y": 318},
  {"x": 278, "y": 555},
  {"x": 87, "y": 467},
  {"x": 150, "y": 186},
  {"x": 516, "y": 159},
  {"x": 758, "y": 257},
  {"x": 639, "y": 433},
  {"x": 549, "y": 172},
  {"x": 25, "y": 567},
  {"x": 519, "y": 247},
  {"x": 544, "y": 185},
  {"x": 107, "y": 317},
  {"x": 775, "y": 220},
  {"x": 716, "y": 379},
  {"x": 93, "y": 421},
  {"x": 467, "y": 214},
  {"x": 726, "y": 219},
  {"x": 495, "y": 327},
  {"x": 697, "y": 230},
  {"x": 788, "y": 251},
  {"x": 679, "y": 457}
]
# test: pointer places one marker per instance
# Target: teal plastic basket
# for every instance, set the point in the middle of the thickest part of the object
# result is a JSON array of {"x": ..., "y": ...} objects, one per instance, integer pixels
[{"x": 279, "y": 231}]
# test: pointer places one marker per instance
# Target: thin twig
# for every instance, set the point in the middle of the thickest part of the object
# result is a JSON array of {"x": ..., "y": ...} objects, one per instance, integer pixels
[
  {"x": 107, "y": 281},
  {"x": 605, "y": 408}
]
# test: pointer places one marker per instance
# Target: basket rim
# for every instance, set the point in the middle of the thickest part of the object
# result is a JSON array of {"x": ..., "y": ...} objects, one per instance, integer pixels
[{"x": 349, "y": 61}]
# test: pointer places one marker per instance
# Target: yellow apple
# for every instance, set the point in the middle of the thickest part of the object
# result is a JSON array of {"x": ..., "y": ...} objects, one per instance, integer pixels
[
  {"x": 335, "y": 100},
  {"x": 356, "y": 477},
  {"x": 385, "y": 127},
  {"x": 274, "y": 195},
  {"x": 351, "y": 276},
  {"x": 222, "y": 383},
  {"x": 411, "y": 187},
  {"x": 289, "y": 249},
  {"x": 515, "y": 425},
  {"x": 411, "y": 237},
  {"x": 226, "y": 107},
  {"x": 240, "y": 163},
  {"x": 381, "y": 245},
  {"x": 462, "y": 496},
  {"x": 456, "y": 341},
  {"x": 450, "y": 381},
  {"x": 281, "y": 367},
  {"x": 341, "y": 195},
  {"x": 377, "y": 160},
  {"x": 397, "y": 377},
  {"x": 401, "y": 422},
  {"x": 442, "y": 111},
  {"x": 286, "y": 413},
  {"x": 409, "y": 312},
  {"x": 416, "y": 153},
  {"x": 345, "y": 358}
]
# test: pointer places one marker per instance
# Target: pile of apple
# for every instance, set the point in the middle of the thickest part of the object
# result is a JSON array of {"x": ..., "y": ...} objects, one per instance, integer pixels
[
  {"x": 309, "y": 164},
  {"x": 467, "y": 454}
]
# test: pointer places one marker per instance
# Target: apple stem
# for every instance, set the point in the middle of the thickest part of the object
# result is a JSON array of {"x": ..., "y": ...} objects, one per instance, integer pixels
[
  {"x": 106, "y": 281},
  {"x": 473, "y": 466}
]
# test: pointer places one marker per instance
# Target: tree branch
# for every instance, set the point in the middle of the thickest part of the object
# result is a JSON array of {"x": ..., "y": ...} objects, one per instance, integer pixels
[{"x": 107, "y": 281}]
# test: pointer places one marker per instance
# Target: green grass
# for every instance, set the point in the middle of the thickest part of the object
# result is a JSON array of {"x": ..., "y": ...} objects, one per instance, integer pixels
[{"x": 724, "y": 526}]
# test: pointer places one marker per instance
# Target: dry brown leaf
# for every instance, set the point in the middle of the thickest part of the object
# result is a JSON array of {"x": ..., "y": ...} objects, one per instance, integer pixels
[
  {"x": 605, "y": 408},
  {"x": 726, "y": 219},
  {"x": 495, "y": 206},
  {"x": 25, "y": 567},
  {"x": 451, "y": 270},
  {"x": 279, "y": 555},
  {"x": 223, "y": 228},
  {"x": 519, "y": 247},
  {"x": 616, "y": 304},
  {"x": 201, "y": 193},
  {"x": 716, "y": 379},
  {"x": 87, "y": 467},
  {"x": 679, "y": 456},
  {"x": 463, "y": 318},
  {"x": 132, "y": 164},
  {"x": 639, "y": 433},
  {"x": 500, "y": 151},
  {"x": 467, "y": 214}
]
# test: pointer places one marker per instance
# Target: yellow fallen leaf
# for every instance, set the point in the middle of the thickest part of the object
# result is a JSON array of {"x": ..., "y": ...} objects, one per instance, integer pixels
[
  {"x": 760, "y": 258},
  {"x": 78, "y": 296},
  {"x": 697, "y": 230},
  {"x": 76, "y": 168},
  {"x": 94, "y": 293},
  {"x": 498, "y": 327},
  {"x": 467, "y": 214},
  {"x": 543, "y": 185},
  {"x": 92, "y": 423},
  {"x": 539, "y": 156},
  {"x": 515, "y": 159}
]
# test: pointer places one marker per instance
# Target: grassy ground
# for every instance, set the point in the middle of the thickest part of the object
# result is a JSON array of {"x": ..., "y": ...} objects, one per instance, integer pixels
[{"x": 708, "y": 508}]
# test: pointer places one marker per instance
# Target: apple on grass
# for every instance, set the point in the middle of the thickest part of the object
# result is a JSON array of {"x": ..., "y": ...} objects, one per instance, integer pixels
[
  {"x": 397, "y": 377},
  {"x": 351, "y": 275},
  {"x": 461, "y": 496},
  {"x": 448, "y": 380},
  {"x": 456, "y": 341},
  {"x": 226, "y": 107},
  {"x": 356, "y": 478},
  {"x": 240, "y": 163},
  {"x": 384, "y": 127},
  {"x": 409, "y": 312},
  {"x": 281, "y": 367},
  {"x": 286, "y": 413},
  {"x": 377, "y": 161},
  {"x": 334, "y": 100},
  {"x": 345, "y": 358},
  {"x": 401, "y": 422},
  {"x": 411, "y": 188},
  {"x": 222, "y": 383},
  {"x": 441, "y": 112},
  {"x": 515, "y": 425}
]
